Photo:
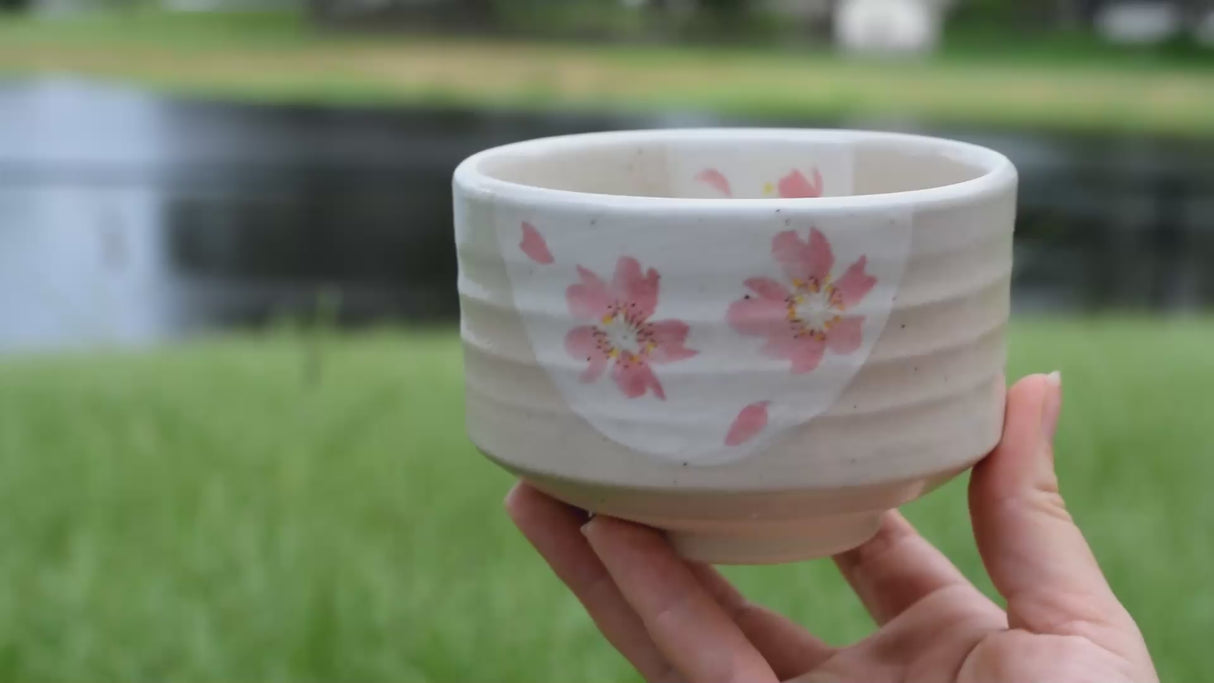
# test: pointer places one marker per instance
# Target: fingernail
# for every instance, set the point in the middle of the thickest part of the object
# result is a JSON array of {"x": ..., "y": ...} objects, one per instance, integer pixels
[
  {"x": 1053, "y": 406},
  {"x": 586, "y": 526},
  {"x": 513, "y": 493}
]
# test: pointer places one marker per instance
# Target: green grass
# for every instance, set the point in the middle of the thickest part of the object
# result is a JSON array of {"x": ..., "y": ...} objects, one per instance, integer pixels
[
  {"x": 260, "y": 508},
  {"x": 1065, "y": 83}
]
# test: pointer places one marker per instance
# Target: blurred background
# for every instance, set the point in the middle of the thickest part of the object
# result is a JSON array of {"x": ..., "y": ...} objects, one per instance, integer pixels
[{"x": 231, "y": 438}]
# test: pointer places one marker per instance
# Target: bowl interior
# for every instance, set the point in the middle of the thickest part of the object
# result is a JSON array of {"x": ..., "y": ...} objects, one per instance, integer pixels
[{"x": 748, "y": 164}]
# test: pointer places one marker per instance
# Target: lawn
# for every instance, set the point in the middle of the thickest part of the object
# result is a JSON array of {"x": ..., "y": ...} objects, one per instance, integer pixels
[
  {"x": 976, "y": 80},
  {"x": 291, "y": 507}
]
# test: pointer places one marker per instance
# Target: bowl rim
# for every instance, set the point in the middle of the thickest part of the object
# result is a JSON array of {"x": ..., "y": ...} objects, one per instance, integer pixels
[{"x": 999, "y": 172}]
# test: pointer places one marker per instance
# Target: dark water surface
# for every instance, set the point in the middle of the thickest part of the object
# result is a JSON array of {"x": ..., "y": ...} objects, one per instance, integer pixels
[{"x": 130, "y": 218}]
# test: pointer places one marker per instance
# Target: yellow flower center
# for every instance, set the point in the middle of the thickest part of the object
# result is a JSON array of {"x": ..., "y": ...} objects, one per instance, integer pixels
[
  {"x": 813, "y": 307},
  {"x": 622, "y": 336}
]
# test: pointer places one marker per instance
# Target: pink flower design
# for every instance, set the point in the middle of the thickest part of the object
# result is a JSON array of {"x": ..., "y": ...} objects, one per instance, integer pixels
[
  {"x": 620, "y": 332},
  {"x": 534, "y": 246},
  {"x": 716, "y": 179},
  {"x": 795, "y": 184},
  {"x": 803, "y": 321},
  {"x": 750, "y": 421}
]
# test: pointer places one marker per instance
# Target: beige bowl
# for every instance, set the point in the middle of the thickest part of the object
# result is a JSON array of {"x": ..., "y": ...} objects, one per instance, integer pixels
[{"x": 755, "y": 340}]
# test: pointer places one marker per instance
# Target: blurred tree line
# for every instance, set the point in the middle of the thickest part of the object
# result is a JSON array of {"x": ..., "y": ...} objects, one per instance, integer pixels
[
  {"x": 713, "y": 19},
  {"x": 792, "y": 21},
  {"x": 590, "y": 18}
]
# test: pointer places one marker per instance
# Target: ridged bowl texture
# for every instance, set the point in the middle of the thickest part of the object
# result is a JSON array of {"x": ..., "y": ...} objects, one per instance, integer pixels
[{"x": 757, "y": 340}]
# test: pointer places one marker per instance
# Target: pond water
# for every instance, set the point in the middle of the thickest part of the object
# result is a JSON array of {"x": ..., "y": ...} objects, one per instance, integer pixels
[{"x": 130, "y": 218}]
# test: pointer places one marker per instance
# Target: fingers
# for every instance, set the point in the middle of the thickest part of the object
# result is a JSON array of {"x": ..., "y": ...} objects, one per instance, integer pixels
[
  {"x": 695, "y": 633},
  {"x": 555, "y": 530},
  {"x": 1036, "y": 556},
  {"x": 897, "y": 568},
  {"x": 788, "y": 648}
]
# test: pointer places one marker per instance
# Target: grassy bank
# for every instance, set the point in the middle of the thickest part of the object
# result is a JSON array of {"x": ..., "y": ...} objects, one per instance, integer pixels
[
  {"x": 264, "y": 509},
  {"x": 277, "y": 58}
]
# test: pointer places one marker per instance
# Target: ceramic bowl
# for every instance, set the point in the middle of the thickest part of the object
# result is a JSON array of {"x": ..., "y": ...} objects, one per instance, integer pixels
[{"x": 756, "y": 340}]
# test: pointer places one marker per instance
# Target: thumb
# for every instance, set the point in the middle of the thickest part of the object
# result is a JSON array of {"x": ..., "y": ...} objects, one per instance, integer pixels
[{"x": 1036, "y": 556}]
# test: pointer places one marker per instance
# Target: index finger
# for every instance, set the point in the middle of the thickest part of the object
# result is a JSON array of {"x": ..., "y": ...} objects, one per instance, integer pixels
[
  {"x": 691, "y": 629},
  {"x": 554, "y": 529},
  {"x": 897, "y": 568}
]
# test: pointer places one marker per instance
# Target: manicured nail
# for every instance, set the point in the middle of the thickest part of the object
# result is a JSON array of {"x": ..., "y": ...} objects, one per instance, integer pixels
[
  {"x": 1053, "y": 406},
  {"x": 586, "y": 526}
]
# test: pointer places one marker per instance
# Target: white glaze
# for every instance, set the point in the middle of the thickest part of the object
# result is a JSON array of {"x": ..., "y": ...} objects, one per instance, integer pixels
[{"x": 918, "y": 399}]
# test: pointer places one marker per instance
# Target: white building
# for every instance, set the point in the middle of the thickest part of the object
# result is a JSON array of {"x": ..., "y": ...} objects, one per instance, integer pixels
[
  {"x": 1139, "y": 22},
  {"x": 889, "y": 26}
]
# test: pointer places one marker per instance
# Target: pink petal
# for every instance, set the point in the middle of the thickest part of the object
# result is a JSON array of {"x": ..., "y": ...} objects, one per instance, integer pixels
[
  {"x": 758, "y": 316},
  {"x": 670, "y": 337},
  {"x": 855, "y": 283},
  {"x": 750, "y": 421},
  {"x": 581, "y": 343},
  {"x": 634, "y": 377},
  {"x": 803, "y": 261},
  {"x": 768, "y": 288},
  {"x": 845, "y": 335},
  {"x": 715, "y": 178},
  {"x": 589, "y": 299},
  {"x": 534, "y": 246},
  {"x": 805, "y": 351},
  {"x": 638, "y": 291},
  {"x": 796, "y": 185}
]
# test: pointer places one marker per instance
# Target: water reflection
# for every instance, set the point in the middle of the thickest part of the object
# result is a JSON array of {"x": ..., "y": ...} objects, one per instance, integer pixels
[{"x": 127, "y": 218}]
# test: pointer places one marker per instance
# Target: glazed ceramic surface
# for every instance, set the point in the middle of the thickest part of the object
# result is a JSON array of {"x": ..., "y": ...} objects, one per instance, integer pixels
[{"x": 756, "y": 340}]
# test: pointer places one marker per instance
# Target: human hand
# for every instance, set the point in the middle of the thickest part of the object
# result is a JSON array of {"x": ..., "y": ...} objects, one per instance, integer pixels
[{"x": 681, "y": 621}]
